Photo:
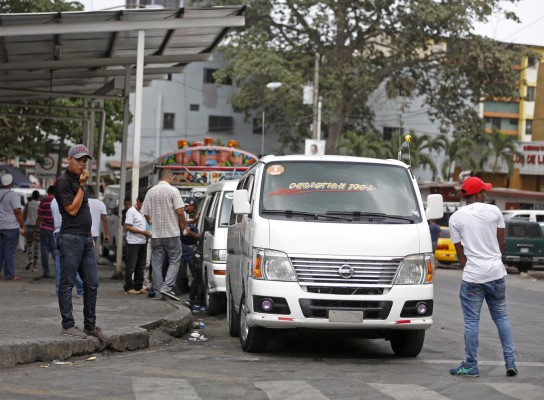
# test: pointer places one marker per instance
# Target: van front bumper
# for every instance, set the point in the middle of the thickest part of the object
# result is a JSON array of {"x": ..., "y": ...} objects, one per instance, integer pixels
[{"x": 312, "y": 310}]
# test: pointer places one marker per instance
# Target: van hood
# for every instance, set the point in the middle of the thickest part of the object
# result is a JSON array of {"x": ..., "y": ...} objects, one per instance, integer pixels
[{"x": 347, "y": 238}]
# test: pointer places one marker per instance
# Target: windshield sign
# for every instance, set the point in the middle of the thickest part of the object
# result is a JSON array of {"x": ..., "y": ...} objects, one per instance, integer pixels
[{"x": 339, "y": 191}]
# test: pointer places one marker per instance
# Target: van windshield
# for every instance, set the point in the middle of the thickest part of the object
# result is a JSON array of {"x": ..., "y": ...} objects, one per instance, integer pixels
[
  {"x": 226, "y": 206},
  {"x": 342, "y": 190}
]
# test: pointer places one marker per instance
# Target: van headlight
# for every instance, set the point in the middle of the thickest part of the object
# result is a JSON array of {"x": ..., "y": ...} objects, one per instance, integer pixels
[
  {"x": 272, "y": 265},
  {"x": 415, "y": 269}
]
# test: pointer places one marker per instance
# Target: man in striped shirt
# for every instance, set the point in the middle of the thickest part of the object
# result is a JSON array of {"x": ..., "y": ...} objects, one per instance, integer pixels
[
  {"x": 47, "y": 227},
  {"x": 163, "y": 209}
]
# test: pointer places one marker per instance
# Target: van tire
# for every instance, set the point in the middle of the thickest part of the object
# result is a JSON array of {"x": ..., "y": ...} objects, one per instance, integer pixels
[
  {"x": 407, "y": 343},
  {"x": 232, "y": 317},
  {"x": 252, "y": 338},
  {"x": 213, "y": 301}
]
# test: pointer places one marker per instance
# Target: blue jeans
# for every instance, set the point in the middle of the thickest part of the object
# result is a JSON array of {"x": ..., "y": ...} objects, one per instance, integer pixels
[
  {"x": 77, "y": 255},
  {"x": 47, "y": 245},
  {"x": 79, "y": 282},
  {"x": 161, "y": 249},
  {"x": 8, "y": 246},
  {"x": 472, "y": 296}
]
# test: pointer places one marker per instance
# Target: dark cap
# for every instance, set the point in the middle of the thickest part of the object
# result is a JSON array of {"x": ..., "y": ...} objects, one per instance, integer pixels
[
  {"x": 190, "y": 201},
  {"x": 473, "y": 185},
  {"x": 78, "y": 151}
]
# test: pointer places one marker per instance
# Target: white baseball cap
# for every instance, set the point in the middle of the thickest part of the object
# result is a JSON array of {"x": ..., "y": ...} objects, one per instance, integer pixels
[{"x": 7, "y": 179}]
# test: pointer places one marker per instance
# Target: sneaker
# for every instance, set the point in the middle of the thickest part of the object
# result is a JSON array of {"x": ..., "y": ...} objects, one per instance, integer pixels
[
  {"x": 132, "y": 291},
  {"x": 171, "y": 294},
  {"x": 512, "y": 370},
  {"x": 158, "y": 297},
  {"x": 96, "y": 332},
  {"x": 73, "y": 331},
  {"x": 14, "y": 278},
  {"x": 199, "y": 308},
  {"x": 461, "y": 370},
  {"x": 189, "y": 303}
]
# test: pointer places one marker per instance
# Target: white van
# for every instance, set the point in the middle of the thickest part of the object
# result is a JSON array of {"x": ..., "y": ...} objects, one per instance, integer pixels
[
  {"x": 527, "y": 215},
  {"x": 330, "y": 242},
  {"x": 25, "y": 194},
  {"x": 213, "y": 225},
  {"x": 111, "y": 200}
]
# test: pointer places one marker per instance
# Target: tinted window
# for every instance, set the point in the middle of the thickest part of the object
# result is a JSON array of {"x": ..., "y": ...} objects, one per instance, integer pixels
[
  {"x": 327, "y": 187},
  {"x": 524, "y": 231},
  {"x": 226, "y": 206},
  {"x": 444, "y": 233}
]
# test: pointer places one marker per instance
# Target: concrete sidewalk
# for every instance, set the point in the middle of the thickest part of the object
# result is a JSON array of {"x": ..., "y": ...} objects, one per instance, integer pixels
[{"x": 31, "y": 324}]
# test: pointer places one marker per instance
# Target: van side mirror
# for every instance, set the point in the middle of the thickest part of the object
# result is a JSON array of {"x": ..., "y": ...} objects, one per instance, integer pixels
[
  {"x": 240, "y": 202},
  {"x": 209, "y": 225},
  {"x": 435, "y": 206}
]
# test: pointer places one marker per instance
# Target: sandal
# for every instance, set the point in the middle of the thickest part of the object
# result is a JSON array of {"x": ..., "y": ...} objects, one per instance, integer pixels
[{"x": 14, "y": 278}]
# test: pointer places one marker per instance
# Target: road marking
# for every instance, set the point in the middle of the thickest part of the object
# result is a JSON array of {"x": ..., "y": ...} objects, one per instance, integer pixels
[
  {"x": 520, "y": 391},
  {"x": 163, "y": 389},
  {"x": 407, "y": 392},
  {"x": 290, "y": 390}
]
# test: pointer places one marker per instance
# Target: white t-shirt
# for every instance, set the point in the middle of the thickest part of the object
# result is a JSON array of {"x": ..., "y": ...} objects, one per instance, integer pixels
[
  {"x": 137, "y": 220},
  {"x": 475, "y": 226},
  {"x": 32, "y": 213},
  {"x": 98, "y": 208}
]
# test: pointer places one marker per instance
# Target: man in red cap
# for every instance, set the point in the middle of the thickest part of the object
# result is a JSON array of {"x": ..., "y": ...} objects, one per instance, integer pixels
[{"x": 478, "y": 232}]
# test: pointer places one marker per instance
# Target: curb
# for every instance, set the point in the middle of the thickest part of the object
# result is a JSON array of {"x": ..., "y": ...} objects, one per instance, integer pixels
[{"x": 122, "y": 339}]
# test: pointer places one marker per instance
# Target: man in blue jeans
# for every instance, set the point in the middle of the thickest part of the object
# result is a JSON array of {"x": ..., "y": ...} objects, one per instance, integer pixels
[
  {"x": 478, "y": 232},
  {"x": 76, "y": 245}
]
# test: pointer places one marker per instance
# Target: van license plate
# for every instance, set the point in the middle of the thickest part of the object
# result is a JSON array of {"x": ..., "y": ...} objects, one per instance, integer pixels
[
  {"x": 346, "y": 316},
  {"x": 524, "y": 250}
]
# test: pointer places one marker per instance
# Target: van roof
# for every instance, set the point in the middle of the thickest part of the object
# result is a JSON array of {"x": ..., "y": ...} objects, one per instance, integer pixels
[
  {"x": 331, "y": 158},
  {"x": 223, "y": 185}
]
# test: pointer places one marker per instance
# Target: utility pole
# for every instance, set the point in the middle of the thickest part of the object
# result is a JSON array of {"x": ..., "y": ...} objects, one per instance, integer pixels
[{"x": 316, "y": 116}]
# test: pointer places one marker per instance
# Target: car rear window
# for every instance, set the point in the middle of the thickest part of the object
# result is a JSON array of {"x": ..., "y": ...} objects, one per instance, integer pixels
[
  {"x": 444, "y": 233},
  {"x": 524, "y": 231}
]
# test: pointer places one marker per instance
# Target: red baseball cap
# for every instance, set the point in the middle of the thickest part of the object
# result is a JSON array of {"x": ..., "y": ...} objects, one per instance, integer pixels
[{"x": 473, "y": 185}]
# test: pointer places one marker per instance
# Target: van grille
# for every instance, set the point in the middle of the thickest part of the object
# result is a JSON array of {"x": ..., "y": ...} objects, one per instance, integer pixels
[{"x": 326, "y": 273}]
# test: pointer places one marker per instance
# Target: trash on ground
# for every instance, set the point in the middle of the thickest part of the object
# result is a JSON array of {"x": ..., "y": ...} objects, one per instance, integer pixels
[
  {"x": 57, "y": 362},
  {"x": 199, "y": 325},
  {"x": 91, "y": 359},
  {"x": 44, "y": 366},
  {"x": 195, "y": 335}
]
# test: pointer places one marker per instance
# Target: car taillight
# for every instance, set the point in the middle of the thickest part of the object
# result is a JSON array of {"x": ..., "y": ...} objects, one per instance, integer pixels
[{"x": 442, "y": 247}]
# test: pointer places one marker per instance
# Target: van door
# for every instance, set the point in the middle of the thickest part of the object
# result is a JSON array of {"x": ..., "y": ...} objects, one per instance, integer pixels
[
  {"x": 237, "y": 246},
  {"x": 210, "y": 211}
]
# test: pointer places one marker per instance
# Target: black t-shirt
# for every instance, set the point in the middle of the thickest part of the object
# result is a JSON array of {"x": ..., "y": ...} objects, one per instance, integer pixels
[{"x": 66, "y": 189}]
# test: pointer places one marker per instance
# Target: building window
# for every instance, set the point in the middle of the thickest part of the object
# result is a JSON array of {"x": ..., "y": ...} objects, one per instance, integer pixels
[
  {"x": 389, "y": 131},
  {"x": 258, "y": 126},
  {"x": 514, "y": 122},
  {"x": 194, "y": 107},
  {"x": 531, "y": 62},
  {"x": 220, "y": 124},
  {"x": 168, "y": 121},
  {"x": 208, "y": 77},
  {"x": 493, "y": 122},
  {"x": 531, "y": 93},
  {"x": 529, "y": 127}
]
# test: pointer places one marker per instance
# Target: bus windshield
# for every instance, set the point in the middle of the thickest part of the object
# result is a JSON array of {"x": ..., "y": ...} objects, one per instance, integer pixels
[{"x": 362, "y": 191}]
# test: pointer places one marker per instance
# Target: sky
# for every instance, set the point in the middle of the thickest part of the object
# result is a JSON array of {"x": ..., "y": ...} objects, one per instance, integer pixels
[{"x": 529, "y": 31}]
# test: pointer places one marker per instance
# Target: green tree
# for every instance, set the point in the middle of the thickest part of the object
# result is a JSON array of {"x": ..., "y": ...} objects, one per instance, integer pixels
[
  {"x": 364, "y": 43},
  {"x": 498, "y": 149},
  {"x": 458, "y": 150},
  {"x": 416, "y": 152},
  {"x": 365, "y": 145}
]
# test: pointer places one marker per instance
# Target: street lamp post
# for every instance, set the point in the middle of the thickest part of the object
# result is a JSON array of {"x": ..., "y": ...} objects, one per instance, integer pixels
[{"x": 262, "y": 137}]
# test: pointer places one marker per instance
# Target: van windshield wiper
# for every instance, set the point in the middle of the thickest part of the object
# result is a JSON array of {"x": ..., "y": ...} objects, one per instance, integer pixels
[
  {"x": 305, "y": 214},
  {"x": 371, "y": 214}
]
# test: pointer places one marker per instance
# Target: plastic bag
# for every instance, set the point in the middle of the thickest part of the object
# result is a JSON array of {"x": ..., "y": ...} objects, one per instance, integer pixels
[{"x": 21, "y": 245}]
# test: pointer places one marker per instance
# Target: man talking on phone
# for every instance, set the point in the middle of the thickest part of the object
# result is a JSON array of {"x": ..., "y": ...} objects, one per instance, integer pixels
[{"x": 76, "y": 245}]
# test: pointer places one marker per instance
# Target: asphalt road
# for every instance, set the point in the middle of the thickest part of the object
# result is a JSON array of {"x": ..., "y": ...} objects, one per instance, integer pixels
[{"x": 307, "y": 367}]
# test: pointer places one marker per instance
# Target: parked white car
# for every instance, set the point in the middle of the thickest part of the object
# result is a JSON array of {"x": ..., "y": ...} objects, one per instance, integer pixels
[
  {"x": 527, "y": 215},
  {"x": 330, "y": 242}
]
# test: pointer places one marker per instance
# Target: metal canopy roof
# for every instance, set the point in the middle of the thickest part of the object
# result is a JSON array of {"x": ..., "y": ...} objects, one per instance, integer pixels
[{"x": 84, "y": 54}]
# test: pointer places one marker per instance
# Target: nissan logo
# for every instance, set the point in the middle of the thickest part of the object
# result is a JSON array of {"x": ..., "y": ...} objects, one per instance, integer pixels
[{"x": 345, "y": 271}]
